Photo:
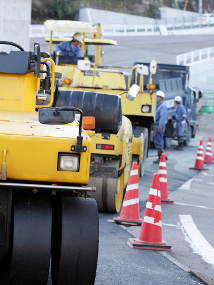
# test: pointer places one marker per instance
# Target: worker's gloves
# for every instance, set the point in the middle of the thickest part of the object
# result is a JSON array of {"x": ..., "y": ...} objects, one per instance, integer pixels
[
  {"x": 183, "y": 122},
  {"x": 58, "y": 52},
  {"x": 174, "y": 125}
]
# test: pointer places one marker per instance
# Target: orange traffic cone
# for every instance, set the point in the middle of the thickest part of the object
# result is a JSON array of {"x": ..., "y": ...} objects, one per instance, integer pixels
[
  {"x": 130, "y": 213},
  {"x": 163, "y": 180},
  {"x": 151, "y": 230},
  {"x": 199, "y": 163},
  {"x": 208, "y": 154}
]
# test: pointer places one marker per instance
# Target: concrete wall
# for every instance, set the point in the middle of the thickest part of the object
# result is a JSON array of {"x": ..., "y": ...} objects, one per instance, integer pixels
[
  {"x": 201, "y": 74},
  {"x": 193, "y": 31},
  {"x": 15, "y": 19},
  {"x": 94, "y": 16},
  {"x": 175, "y": 13}
]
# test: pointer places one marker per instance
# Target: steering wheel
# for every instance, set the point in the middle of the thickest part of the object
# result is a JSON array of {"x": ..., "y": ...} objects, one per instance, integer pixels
[
  {"x": 11, "y": 44},
  {"x": 37, "y": 58}
]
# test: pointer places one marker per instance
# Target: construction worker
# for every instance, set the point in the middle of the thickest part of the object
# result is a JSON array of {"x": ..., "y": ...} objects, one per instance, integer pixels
[
  {"x": 159, "y": 125},
  {"x": 72, "y": 47},
  {"x": 181, "y": 116}
]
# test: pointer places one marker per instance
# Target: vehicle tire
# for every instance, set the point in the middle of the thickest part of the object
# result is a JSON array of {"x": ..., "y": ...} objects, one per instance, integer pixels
[
  {"x": 167, "y": 142},
  {"x": 188, "y": 135}
]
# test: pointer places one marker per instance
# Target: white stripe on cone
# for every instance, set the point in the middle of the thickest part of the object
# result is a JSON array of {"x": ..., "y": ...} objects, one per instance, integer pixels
[
  {"x": 162, "y": 171},
  {"x": 162, "y": 164},
  {"x": 208, "y": 153},
  {"x": 131, "y": 202},
  {"x": 209, "y": 148},
  {"x": 150, "y": 220},
  {"x": 199, "y": 158},
  {"x": 154, "y": 192},
  {"x": 134, "y": 172},
  {"x": 200, "y": 147},
  {"x": 162, "y": 179},
  {"x": 200, "y": 152},
  {"x": 157, "y": 207},
  {"x": 132, "y": 187}
]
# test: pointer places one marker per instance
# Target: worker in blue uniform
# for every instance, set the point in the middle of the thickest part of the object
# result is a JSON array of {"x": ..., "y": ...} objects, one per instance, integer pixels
[
  {"x": 70, "y": 48},
  {"x": 181, "y": 115},
  {"x": 159, "y": 124}
]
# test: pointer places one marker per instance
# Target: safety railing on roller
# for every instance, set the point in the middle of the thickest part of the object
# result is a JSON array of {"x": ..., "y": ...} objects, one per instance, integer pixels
[{"x": 195, "y": 56}]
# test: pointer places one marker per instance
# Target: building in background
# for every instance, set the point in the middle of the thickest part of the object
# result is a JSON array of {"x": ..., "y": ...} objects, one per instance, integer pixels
[{"x": 15, "y": 19}]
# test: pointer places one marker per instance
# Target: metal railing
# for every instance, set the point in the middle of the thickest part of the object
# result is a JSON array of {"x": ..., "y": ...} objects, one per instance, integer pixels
[
  {"x": 195, "y": 56},
  {"x": 208, "y": 106},
  {"x": 127, "y": 30}
]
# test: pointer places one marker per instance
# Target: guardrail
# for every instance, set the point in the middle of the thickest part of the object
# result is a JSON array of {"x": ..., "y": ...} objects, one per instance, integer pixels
[
  {"x": 126, "y": 30},
  {"x": 109, "y": 30},
  {"x": 208, "y": 106},
  {"x": 195, "y": 56}
]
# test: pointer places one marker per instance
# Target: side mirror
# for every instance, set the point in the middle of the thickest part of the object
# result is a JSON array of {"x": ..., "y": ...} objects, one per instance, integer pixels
[
  {"x": 133, "y": 91},
  {"x": 153, "y": 67},
  {"x": 83, "y": 64},
  {"x": 55, "y": 116},
  {"x": 143, "y": 69}
]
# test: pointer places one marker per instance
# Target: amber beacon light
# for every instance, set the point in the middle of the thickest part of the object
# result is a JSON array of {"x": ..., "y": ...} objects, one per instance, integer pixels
[{"x": 88, "y": 123}]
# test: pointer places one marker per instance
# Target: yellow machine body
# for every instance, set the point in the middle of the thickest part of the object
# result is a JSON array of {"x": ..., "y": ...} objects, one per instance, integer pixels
[
  {"x": 129, "y": 146},
  {"x": 32, "y": 148}
]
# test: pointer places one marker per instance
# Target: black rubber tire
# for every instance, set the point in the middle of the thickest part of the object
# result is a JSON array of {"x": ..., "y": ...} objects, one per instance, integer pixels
[
  {"x": 188, "y": 135},
  {"x": 75, "y": 252},
  {"x": 167, "y": 142},
  {"x": 31, "y": 239},
  {"x": 5, "y": 219}
]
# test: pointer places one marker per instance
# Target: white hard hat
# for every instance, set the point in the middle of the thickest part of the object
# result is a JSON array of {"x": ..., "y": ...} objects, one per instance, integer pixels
[
  {"x": 160, "y": 93},
  {"x": 78, "y": 37},
  {"x": 178, "y": 99}
]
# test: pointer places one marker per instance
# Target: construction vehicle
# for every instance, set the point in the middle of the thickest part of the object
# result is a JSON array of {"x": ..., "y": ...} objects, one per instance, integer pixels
[
  {"x": 79, "y": 75},
  {"x": 47, "y": 219},
  {"x": 173, "y": 80}
]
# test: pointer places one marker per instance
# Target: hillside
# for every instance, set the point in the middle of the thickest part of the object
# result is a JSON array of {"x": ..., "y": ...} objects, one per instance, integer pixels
[{"x": 68, "y": 9}]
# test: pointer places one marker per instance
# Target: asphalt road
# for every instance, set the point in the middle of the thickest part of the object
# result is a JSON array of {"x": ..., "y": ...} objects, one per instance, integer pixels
[{"x": 117, "y": 262}]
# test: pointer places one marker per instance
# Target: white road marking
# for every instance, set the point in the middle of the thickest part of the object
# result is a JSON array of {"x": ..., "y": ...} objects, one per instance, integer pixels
[
  {"x": 170, "y": 225},
  {"x": 198, "y": 206},
  {"x": 204, "y": 173},
  {"x": 197, "y": 240},
  {"x": 186, "y": 185}
]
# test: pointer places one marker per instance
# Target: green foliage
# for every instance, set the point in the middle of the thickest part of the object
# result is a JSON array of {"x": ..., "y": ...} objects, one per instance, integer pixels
[{"x": 64, "y": 9}]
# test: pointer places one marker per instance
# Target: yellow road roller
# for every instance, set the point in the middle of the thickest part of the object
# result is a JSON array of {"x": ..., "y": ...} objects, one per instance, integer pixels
[
  {"x": 48, "y": 222},
  {"x": 83, "y": 77},
  {"x": 113, "y": 145}
]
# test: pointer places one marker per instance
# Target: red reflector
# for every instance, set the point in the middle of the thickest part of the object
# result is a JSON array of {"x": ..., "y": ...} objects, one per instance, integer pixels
[{"x": 105, "y": 146}]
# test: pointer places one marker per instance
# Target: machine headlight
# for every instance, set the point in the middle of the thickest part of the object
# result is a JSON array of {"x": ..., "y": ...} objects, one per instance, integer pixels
[
  {"x": 146, "y": 109},
  {"x": 68, "y": 162}
]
